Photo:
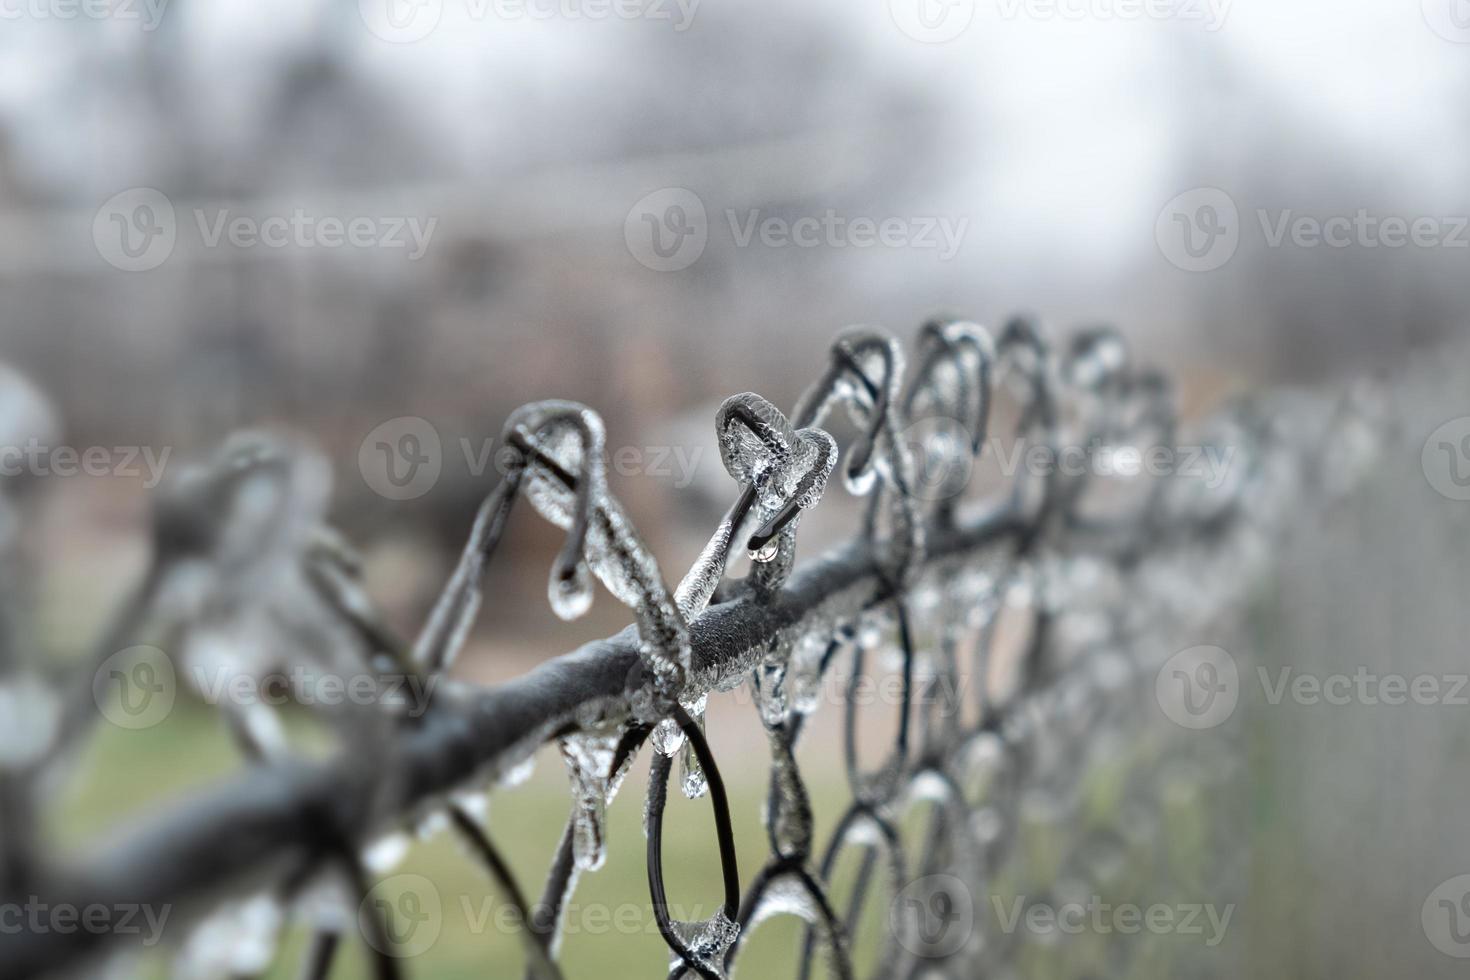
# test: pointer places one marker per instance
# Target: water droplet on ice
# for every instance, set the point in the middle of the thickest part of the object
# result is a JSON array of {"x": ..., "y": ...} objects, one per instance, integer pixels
[
  {"x": 694, "y": 782},
  {"x": 571, "y": 597},
  {"x": 667, "y": 737},
  {"x": 766, "y": 553},
  {"x": 859, "y": 484},
  {"x": 385, "y": 853}
]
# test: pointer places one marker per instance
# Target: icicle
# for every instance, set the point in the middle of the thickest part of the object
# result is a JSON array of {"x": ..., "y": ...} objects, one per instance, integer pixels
[
  {"x": 571, "y": 596},
  {"x": 518, "y": 773},
  {"x": 804, "y": 669},
  {"x": 589, "y": 760},
  {"x": 693, "y": 781},
  {"x": 431, "y": 825},
  {"x": 1096, "y": 357},
  {"x": 474, "y": 802},
  {"x": 386, "y": 852},
  {"x": 238, "y": 940},
  {"x": 327, "y": 904},
  {"x": 861, "y": 483},
  {"x": 768, "y": 687},
  {"x": 30, "y": 717}
]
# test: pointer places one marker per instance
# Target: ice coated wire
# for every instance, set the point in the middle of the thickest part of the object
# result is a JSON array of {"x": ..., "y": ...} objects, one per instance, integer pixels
[{"x": 1026, "y": 750}]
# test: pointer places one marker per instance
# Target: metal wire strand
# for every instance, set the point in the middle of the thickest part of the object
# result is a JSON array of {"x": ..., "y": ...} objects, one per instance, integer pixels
[{"x": 938, "y": 581}]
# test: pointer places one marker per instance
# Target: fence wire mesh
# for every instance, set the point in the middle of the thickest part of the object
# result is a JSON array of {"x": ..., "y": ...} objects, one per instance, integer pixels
[{"x": 1044, "y": 641}]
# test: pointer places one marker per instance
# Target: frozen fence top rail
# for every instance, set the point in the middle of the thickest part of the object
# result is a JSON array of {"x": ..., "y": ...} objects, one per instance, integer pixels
[{"x": 1109, "y": 566}]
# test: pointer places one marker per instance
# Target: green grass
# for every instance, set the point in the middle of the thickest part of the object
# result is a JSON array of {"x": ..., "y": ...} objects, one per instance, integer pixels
[
  {"x": 611, "y": 931},
  {"x": 126, "y": 775}
]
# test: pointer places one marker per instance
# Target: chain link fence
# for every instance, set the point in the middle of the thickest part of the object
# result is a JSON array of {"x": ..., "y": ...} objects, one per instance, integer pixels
[{"x": 1054, "y": 647}]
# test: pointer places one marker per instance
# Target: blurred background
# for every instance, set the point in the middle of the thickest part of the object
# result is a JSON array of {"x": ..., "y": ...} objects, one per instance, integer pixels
[{"x": 649, "y": 207}]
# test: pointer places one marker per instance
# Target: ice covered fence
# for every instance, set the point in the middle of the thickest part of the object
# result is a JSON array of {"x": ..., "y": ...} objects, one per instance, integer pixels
[{"x": 1027, "y": 626}]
